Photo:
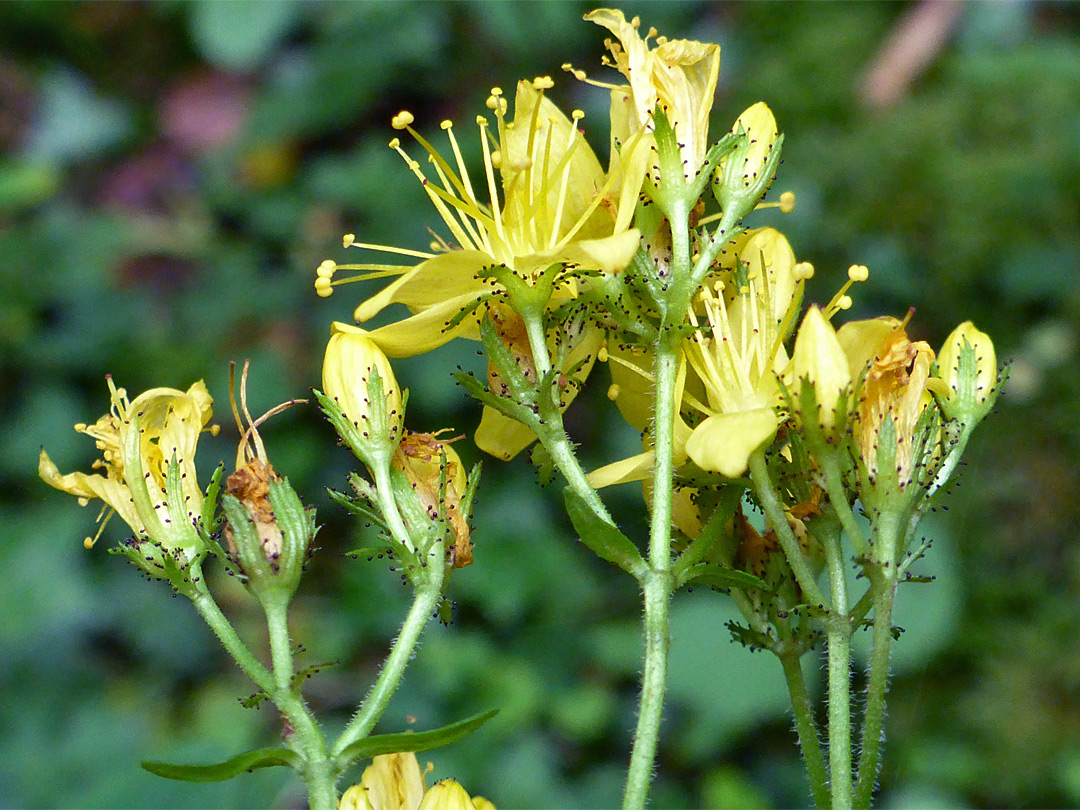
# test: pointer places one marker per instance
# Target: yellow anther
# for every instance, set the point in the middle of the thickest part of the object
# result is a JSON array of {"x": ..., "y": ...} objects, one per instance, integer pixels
[
  {"x": 602, "y": 355},
  {"x": 496, "y": 159},
  {"x": 402, "y": 120},
  {"x": 481, "y": 121},
  {"x": 88, "y": 542},
  {"x": 327, "y": 269},
  {"x": 803, "y": 271},
  {"x": 858, "y": 272},
  {"x": 394, "y": 143},
  {"x": 577, "y": 115},
  {"x": 613, "y": 392},
  {"x": 843, "y": 302},
  {"x": 348, "y": 239},
  {"x": 636, "y": 22},
  {"x": 543, "y": 83},
  {"x": 787, "y": 202},
  {"x": 324, "y": 287},
  {"x": 446, "y": 124},
  {"x": 496, "y": 91}
]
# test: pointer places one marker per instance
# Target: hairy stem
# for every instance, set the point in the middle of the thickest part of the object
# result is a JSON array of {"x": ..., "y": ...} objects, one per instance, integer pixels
[{"x": 809, "y": 739}]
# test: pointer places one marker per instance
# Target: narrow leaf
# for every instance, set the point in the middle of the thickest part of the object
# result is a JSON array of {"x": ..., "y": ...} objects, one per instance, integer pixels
[
  {"x": 243, "y": 763},
  {"x": 413, "y": 741},
  {"x": 605, "y": 540},
  {"x": 720, "y": 576}
]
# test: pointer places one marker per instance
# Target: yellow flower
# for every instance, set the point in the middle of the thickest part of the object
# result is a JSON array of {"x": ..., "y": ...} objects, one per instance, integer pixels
[
  {"x": 351, "y": 357},
  {"x": 739, "y": 354},
  {"x": 818, "y": 360},
  {"x": 395, "y": 782},
  {"x": 554, "y": 209},
  {"x": 136, "y": 464},
  {"x": 551, "y": 212},
  {"x": 678, "y": 77},
  {"x": 895, "y": 387}
]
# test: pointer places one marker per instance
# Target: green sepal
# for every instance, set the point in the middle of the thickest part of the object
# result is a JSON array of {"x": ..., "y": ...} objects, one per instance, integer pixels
[
  {"x": 604, "y": 539},
  {"x": 356, "y": 507},
  {"x": 305, "y": 673},
  {"x": 544, "y": 463},
  {"x": 716, "y": 575},
  {"x": 749, "y": 638},
  {"x": 223, "y": 771},
  {"x": 412, "y": 741},
  {"x": 298, "y": 529},
  {"x": 468, "y": 498},
  {"x": 707, "y": 545},
  {"x": 210, "y": 521},
  {"x": 255, "y": 700}
]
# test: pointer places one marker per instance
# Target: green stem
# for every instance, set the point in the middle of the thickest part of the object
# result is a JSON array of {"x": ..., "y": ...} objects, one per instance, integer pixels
[
  {"x": 318, "y": 772},
  {"x": 653, "y": 684},
  {"x": 554, "y": 437},
  {"x": 774, "y": 511},
  {"x": 834, "y": 487},
  {"x": 657, "y": 581},
  {"x": 883, "y": 583},
  {"x": 280, "y": 645},
  {"x": 208, "y": 608},
  {"x": 809, "y": 740},
  {"x": 427, "y": 598},
  {"x": 306, "y": 738},
  {"x": 838, "y": 629}
]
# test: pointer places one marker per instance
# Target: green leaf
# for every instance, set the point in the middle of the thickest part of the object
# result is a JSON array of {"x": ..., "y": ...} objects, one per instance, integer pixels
[
  {"x": 243, "y": 763},
  {"x": 413, "y": 741},
  {"x": 720, "y": 576},
  {"x": 605, "y": 540}
]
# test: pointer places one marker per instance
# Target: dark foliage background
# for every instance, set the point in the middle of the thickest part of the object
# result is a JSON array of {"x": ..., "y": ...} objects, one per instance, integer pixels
[{"x": 172, "y": 173}]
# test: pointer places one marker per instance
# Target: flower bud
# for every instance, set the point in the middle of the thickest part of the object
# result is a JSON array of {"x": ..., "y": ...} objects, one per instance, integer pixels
[
  {"x": 969, "y": 375},
  {"x": 746, "y": 174},
  {"x": 358, "y": 377},
  {"x": 819, "y": 360}
]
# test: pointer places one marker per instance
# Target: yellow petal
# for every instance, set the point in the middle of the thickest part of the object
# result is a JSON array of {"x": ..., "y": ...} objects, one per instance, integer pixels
[
  {"x": 447, "y": 794},
  {"x": 394, "y": 782},
  {"x": 635, "y": 468},
  {"x": 723, "y": 443},
  {"x": 448, "y": 275},
  {"x": 428, "y": 329},
  {"x": 862, "y": 340},
  {"x": 819, "y": 359},
  {"x": 501, "y": 436}
]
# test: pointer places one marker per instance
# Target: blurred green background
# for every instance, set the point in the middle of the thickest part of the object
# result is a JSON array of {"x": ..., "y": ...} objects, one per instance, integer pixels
[{"x": 172, "y": 173}]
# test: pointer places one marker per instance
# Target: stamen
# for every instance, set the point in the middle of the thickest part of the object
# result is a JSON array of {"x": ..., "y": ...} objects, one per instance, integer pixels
[{"x": 348, "y": 239}]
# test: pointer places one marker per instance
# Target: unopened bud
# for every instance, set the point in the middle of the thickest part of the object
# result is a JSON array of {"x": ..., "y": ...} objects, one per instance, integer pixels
[
  {"x": 818, "y": 360},
  {"x": 969, "y": 374},
  {"x": 358, "y": 377},
  {"x": 746, "y": 174}
]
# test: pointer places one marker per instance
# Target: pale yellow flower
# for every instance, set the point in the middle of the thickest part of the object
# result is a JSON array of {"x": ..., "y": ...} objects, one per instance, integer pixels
[
  {"x": 136, "y": 464},
  {"x": 738, "y": 353},
  {"x": 677, "y": 77},
  {"x": 548, "y": 203},
  {"x": 895, "y": 372},
  {"x": 395, "y": 782}
]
